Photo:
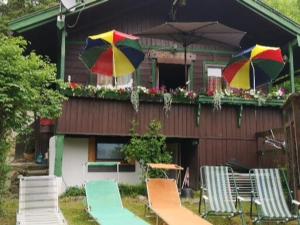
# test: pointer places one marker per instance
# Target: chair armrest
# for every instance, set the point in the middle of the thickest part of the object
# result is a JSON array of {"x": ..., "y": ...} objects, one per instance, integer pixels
[
  {"x": 241, "y": 198},
  {"x": 257, "y": 202},
  {"x": 205, "y": 197},
  {"x": 295, "y": 202}
]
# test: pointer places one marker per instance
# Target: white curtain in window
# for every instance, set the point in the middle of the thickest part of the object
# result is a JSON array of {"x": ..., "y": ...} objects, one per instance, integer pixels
[
  {"x": 124, "y": 81},
  {"x": 104, "y": 80},
  {"x": 214, "y": 72},
  {"x": 121, "y": 82}
]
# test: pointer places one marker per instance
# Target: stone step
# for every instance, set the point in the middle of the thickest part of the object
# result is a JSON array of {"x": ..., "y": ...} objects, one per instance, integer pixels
[{"x": 36, "y": 172}]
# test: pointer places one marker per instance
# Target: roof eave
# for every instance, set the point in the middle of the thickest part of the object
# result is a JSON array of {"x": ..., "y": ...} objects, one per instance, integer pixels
[
  {"x": 272, "y": 15},
  {"x": 42, "y": 17},
  {"x": 33, "y": 20}
]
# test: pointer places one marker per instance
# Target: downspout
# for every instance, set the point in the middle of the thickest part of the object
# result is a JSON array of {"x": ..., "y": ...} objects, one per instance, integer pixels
[{"x": 62, "y": 35}]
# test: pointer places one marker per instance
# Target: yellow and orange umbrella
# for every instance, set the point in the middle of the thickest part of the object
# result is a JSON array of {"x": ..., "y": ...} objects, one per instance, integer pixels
[{"x": 112, "y": 54}]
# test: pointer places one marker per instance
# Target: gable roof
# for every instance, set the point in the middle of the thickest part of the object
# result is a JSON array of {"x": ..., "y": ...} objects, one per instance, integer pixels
[
  {"x": 272, "y": 15},
  {"x": 42, "y": 17}
]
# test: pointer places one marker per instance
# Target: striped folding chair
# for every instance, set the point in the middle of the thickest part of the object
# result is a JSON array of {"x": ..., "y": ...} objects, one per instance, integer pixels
[
  {"x": 269, "y": 198},
  {"x": 217, "y": 195},
  {"x": 38, "y": 202}
]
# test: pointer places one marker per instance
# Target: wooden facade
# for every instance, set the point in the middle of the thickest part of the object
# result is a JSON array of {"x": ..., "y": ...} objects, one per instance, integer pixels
[
  {"x": 218, "y": 137},
  {"x": 292, "y": 136}
]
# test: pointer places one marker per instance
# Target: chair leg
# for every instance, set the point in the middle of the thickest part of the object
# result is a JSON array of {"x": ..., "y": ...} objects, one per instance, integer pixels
[
  {"x": 243, "y": 219},
  {"x": 257, "y": 221},
  {"x": 200, "y": 201},
  {"x": 146, "y": 210}
]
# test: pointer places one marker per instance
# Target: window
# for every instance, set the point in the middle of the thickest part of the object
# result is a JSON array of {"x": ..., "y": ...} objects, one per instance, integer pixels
[
  {"x": 213, "y": 73},
  {"x": 171, "y": 76},
  {"x": 109, "y": 148},
  {"x": 109, "y": 151},
  {"x": 121, "y": 82}
]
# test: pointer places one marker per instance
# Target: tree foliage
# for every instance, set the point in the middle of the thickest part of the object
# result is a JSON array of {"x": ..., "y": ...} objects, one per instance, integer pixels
[
  {"x": 148, "y": 148},
  {"x": 289, "y": 8},
  {"x": 26, "y": 93},
  {"x": 17, "y": 8}
]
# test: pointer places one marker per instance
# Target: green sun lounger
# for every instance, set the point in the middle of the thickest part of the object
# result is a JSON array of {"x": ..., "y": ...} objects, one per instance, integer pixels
[
  {"x": 218, "y": 197},
  {"x": 105, "y": 204},
  {"x": 270, "y": 199}
]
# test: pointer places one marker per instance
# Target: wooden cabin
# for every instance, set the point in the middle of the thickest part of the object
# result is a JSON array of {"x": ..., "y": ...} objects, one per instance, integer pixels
[
  {"x": 197, "y": 134},
  {"x": 292, "y": 136}
]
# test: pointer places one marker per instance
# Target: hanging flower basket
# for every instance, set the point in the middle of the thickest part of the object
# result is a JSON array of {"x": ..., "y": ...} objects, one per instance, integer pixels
[{"x": 46, "y": 122}]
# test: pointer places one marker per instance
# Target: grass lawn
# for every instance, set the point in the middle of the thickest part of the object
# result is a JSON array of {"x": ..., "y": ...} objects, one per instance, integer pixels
[{"x": 74, "y": 211}]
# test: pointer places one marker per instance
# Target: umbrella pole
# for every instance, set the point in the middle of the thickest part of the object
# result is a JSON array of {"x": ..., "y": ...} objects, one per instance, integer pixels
[
  {"x": 185, "y": 66},
  {"x": 253, "y": 75}
]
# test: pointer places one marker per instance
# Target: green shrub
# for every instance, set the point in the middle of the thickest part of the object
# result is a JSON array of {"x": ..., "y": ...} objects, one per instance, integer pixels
[
  {"x": 148, "y": 148},
  {"x": 74, "y": 192},
  {"x": 132, "y": 190},
  {"x": 125, "y": 191}
]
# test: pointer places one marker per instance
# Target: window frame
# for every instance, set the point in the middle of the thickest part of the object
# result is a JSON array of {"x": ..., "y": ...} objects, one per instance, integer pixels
[{"x": 213, "y": 64}]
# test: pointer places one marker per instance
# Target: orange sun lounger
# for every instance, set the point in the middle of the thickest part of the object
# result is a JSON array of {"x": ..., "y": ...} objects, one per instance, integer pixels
[{"x": 164, "y": 201}]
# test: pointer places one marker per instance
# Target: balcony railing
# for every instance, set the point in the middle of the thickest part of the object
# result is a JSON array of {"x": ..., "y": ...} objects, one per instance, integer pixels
[{"x": 178, "y": 96}]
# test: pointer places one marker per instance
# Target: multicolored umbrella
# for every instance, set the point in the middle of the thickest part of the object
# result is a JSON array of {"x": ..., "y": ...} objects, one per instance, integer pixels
[
  {"x": 253, "y": 67},
  {"x": 112, "y": 54}
]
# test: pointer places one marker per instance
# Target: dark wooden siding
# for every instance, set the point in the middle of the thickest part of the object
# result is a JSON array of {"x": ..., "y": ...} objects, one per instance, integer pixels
[
  {"x": 220, "y": 139},
  {"x": 134, "y": 20}
]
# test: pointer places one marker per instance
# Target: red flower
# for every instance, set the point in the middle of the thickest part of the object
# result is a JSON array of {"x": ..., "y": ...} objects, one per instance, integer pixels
[
  {"x": 153, "y": 91},
  {"x": 73, "y": 85},
  {"x": 210, "y": 92}
]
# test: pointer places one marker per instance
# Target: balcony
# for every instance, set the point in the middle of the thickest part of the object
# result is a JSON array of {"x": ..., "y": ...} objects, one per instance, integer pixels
[{"x": 184, "y": 114}]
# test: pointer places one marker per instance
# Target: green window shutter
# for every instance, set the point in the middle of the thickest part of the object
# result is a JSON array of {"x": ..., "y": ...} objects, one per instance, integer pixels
[
  {"x": 153, "y": 73},
  {"x": 59, "y": 151},
  {"x": 191, "y": 76}
]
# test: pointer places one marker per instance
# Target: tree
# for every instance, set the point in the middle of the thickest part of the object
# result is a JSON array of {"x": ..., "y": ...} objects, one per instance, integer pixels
[
  {"x": 27, "y": 91},
  {"x": 289, "y": 8},
  {"x": 12, "y": 9},
  {"x": 148, "y": 148}
]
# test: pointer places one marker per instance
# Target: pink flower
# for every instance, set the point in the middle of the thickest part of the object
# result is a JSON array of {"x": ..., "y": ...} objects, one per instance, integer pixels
[{"x": 281, "y": 92}]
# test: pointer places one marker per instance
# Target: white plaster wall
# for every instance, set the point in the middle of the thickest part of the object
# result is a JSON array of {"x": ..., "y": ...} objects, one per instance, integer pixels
[
  {"x": 74, "y": 171},
  {"x": 51, "y": 155}
]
